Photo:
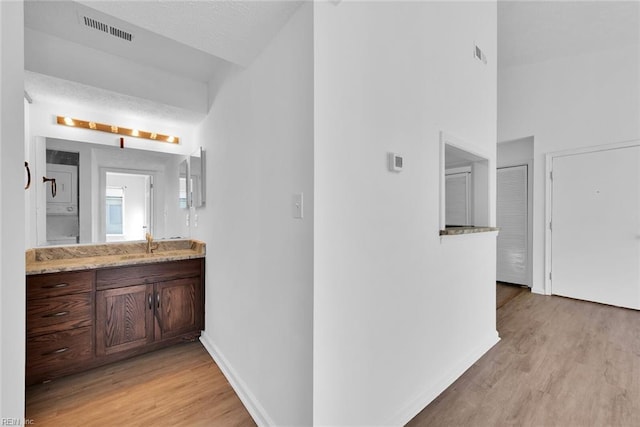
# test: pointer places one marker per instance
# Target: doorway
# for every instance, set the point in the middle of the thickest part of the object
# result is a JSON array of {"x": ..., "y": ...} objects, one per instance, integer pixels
[
  {"x": 593, "y": 228},
  {"x": 127, "y": 206},
  {"x": 512, "y": 218}
]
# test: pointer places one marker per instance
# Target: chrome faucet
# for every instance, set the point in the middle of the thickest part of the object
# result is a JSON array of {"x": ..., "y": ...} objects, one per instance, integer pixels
[{"x": 150, "y": 246}]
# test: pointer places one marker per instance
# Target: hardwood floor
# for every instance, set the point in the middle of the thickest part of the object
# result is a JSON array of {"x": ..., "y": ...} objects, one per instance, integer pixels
[
  {"x": 561, "y": 362},
  {"x": 505, "y": 292},
  {"x": 176, "y": 386}
]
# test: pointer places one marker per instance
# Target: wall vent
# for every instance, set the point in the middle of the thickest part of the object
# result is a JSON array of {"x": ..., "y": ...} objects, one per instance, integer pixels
[
  {"x": 117, "y": 32},
  {"x": 95, "y": 24},
  {"x": 106, "y": 28}
]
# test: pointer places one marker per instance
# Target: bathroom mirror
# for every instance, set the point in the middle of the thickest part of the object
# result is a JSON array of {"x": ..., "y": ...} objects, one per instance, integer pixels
[
  {"x": 105, "y": 193},
  {"x": 197, "y": 178}
]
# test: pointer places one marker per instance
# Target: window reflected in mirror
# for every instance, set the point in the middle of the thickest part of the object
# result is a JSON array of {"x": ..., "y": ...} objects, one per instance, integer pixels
[{"x": 115, "y": 210}]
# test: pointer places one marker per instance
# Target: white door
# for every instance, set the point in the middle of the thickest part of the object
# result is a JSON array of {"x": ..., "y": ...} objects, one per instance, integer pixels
[
  {"x": 595, "y": 223},
  {"x": 511, "y": 218}
]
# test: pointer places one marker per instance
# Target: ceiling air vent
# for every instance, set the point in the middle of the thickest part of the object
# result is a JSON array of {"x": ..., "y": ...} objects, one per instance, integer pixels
[
  {"x": 120, "y": 33},
  {"x": 106, "y": 28},
  {"x": 95, "y": 24}
]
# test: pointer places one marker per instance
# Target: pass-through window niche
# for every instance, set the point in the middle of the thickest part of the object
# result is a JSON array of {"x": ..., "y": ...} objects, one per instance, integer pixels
[{"x": 464, "y": 185}]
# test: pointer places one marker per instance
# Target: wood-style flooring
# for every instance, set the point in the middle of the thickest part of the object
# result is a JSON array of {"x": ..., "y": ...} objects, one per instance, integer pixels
[
  {"x": 505, "y": 292},
  {"x": 176, "y": 386},
  {"x": 561, "y": 362}
]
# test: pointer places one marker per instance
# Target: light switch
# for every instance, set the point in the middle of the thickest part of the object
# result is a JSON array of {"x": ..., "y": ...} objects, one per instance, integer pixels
[{"x": 297, "y": 206}]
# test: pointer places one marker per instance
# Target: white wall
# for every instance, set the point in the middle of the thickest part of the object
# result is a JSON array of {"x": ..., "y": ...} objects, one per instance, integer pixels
[
  {"x": 12, "y": 214},
  {"x": 399, "y": 312},
  {"x": 259, "y": 280},
  {"x": 574, "y": 102}
]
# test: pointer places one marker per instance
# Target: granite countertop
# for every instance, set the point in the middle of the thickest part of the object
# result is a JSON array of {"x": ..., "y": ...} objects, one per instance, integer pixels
[
  {"x": 55, "y": 259},
  {"x": 456, "y": 230}
]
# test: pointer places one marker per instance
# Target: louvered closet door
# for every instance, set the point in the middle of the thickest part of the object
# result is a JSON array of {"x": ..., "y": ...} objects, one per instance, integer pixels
[
  {"x": 457, "y": 199},
  {"x": 511, "y": 218}
]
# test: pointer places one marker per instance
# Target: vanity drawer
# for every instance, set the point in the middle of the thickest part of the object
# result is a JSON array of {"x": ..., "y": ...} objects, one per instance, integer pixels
[
  {"x": 60, "y": 350},
  {"x": 56, "y": 284},
  {"x": 118, "y": 277},
  {"x": 58, "y": 313}
]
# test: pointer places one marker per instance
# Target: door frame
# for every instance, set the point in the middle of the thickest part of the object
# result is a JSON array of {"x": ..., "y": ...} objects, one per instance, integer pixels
[
  {"x": 548, "y": 270},
  {"x": 102, "y": 171},
  {"x": 468, "y": 188}
]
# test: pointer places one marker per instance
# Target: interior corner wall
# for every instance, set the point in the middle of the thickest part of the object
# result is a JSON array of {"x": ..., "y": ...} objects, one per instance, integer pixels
[
  {"x": 258, "y": 139},
  {"x": 572, "y": 102},
  {"x": 12, "y": 213},
  {"x": 399, "y": 312}
]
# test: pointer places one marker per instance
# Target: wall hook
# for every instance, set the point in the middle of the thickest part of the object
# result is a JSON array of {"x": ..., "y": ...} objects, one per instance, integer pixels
[
  {"x": 26, "y": 166},
  {"x": 54, "y": 189}
]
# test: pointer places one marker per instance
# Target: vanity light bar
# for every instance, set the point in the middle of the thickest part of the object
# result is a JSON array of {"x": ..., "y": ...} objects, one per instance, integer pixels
[{"x": 67, "y": 121}]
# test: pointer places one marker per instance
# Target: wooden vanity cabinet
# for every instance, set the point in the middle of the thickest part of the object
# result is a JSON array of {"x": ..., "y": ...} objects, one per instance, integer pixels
[
  {"x": 60, "y": 327},
  {"x": 142, "y": 306},
  {"x": 79, "y": 320},
  {"x": 124, "y": 319}
]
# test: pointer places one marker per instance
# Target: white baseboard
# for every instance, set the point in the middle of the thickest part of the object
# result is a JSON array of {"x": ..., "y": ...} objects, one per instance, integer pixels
[
  {"x": 256, "y": 410},
  {"x": 417, "y": 404},
  {"x": 539, "y": 291}
]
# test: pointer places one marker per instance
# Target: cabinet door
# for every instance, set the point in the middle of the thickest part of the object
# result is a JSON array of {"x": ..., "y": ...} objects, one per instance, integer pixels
[
  {"x": 124, "y": 318},
  {"x": 178, "y": 307}
]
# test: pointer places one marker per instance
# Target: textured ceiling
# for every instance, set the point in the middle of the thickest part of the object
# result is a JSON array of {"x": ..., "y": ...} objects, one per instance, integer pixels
[
  {"x": 535, "y": 31},
  {"x": 51, "y": 90},
  {"x": 236, "y": 31}
]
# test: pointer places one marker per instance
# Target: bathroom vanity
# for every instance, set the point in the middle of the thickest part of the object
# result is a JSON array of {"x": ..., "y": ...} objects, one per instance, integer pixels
[{"x": 90, "y": 305}]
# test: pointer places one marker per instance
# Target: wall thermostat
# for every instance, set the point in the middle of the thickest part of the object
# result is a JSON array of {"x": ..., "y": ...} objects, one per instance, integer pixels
[{"x": 396, "y": 162}]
